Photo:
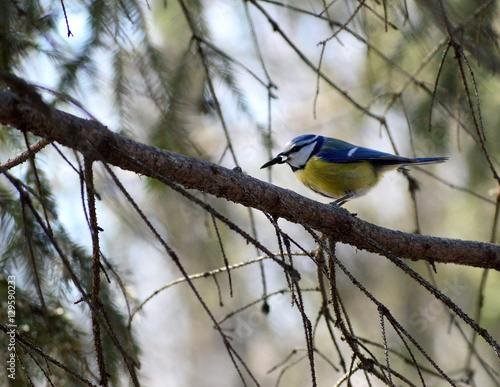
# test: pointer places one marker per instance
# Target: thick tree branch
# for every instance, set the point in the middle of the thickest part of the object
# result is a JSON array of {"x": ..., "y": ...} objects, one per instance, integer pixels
[{"x": 96, "y": 142}]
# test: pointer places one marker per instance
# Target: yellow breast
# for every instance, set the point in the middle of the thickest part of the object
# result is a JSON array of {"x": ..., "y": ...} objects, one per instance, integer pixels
[{"x": 338, "y": 180}]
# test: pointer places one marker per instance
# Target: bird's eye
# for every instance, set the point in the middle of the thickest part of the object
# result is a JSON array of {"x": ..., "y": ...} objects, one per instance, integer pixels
[{"x": 295, "y": 149}]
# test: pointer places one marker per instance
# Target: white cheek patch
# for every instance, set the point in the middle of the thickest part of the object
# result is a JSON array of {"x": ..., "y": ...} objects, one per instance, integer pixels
[
  {"x": 352, "y": 151},
  {"x": 299, "y": 158}
]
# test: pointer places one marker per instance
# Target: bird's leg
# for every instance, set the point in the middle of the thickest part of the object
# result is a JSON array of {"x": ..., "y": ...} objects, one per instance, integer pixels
[{"x": 343, "y": 199}]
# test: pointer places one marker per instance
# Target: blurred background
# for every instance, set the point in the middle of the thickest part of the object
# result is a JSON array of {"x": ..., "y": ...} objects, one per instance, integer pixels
[{"x": 232, "y": 82}]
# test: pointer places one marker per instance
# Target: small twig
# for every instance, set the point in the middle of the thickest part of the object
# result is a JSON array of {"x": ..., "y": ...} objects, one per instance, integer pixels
[
  {"x": 96, "y": 269},
  {"x": 66, "y": 18},
  {"x": 436, "y": 82},
  {"x": 384, "y": 341},
  {"x": 344, "y": 25},
  {"x": 29, "y": 345},
  {"x": 24, "y": 156},
  {"x": 318, "y": 78},
  {"x": 306, "y": 60},
  {"x": 224, "y": 257},
  {"x": 347, "y": 375}
]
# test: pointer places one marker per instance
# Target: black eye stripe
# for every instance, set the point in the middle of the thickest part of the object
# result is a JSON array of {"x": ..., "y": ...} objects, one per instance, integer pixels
[
  {"x": 292, "y": 150},
  {"x": 298, "y": 147}
]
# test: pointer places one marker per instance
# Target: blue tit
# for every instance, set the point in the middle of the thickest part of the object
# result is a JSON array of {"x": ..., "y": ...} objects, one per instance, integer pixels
[{"x": 339, "y": 170}]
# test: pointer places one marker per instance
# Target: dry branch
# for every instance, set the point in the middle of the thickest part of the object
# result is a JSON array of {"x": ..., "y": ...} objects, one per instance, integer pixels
[{"x": 96, "y": 142}]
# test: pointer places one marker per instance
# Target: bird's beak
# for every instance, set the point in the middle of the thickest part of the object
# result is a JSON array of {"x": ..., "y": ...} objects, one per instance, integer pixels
[{"x": 280, "y": 159}]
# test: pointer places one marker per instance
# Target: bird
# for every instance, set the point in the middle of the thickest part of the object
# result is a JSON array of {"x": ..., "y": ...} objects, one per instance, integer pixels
[{"x": 340, "y": 170}]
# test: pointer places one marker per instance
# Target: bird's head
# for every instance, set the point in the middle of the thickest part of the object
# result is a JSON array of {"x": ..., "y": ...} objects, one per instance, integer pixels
[{"x": 297, "y": 151}]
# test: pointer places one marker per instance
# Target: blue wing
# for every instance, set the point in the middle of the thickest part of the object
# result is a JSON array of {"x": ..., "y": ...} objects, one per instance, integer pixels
[{"x": 337, "y": 151}]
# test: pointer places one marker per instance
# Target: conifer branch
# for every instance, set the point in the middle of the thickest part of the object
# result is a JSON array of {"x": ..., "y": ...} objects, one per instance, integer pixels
[{"x": 95, "y": 141}]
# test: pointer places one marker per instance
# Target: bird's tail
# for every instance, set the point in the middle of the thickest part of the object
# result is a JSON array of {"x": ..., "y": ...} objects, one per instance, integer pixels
[{"x": 425, "y": 160}]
